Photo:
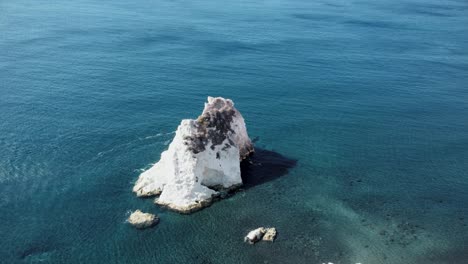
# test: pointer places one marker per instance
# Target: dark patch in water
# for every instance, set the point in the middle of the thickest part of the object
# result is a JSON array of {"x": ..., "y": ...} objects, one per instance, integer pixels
[
  {"x": 264, "y": 166},
  {"x": 453, "y": 255},
  {"x": 232, "y": 47},
  {"x": 333, "y": 5},
  {"x": 256, "y": 139},
  {"x": 373, "y": 24},
  {"x": 437, "y": 10},
  {"x": 35, "y": 249},
  {"x": 440, "y": 7},
  {"x": 315, "y": 17},
  {"x": 403, "y": 234},
  {"x": 431, "y": 13},
  {"x": 226, "y": 45}
]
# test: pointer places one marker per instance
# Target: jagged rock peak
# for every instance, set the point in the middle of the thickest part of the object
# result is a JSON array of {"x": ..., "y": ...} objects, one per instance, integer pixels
[{"x": 220, "y": 121}]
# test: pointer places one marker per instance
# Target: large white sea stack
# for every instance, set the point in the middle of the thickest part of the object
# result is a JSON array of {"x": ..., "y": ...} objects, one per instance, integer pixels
[{"x": 203, "y": 158}]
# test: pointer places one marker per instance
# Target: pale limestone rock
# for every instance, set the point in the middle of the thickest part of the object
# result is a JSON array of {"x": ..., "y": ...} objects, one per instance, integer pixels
[
  {"x": 255, "y": 235},
  {"x": 270, "y": 234},
  {"x": 204, "y": 155},
  {"x": 142, "y": 220}
]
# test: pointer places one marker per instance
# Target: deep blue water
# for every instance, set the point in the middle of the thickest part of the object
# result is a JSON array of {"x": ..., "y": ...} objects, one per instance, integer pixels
[{"x": 359, "y": 108}]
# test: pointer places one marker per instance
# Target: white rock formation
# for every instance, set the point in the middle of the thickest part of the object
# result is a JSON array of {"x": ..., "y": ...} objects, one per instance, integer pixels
[
  {"x": 261, "y": 233},
  {"x": 255, "y": 235},
  {"x": 142, "y": 220},
  {"x": 203, "y": 157}
]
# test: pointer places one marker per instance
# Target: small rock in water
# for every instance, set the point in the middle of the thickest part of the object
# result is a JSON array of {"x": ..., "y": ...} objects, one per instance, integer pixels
[
  {"x": 255, "y": 235},
  {"x": 142, "y": 220},
  {"x": 270, "y": 234},
  {"x": 261, "y": 233}
]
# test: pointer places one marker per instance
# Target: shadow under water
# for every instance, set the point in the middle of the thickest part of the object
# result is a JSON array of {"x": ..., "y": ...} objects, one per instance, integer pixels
[{"x": 264, "y": 166}]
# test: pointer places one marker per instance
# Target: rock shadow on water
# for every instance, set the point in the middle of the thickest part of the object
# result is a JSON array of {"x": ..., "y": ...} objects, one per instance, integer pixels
[
  {"x": 264, "y": 166},
  {"x": 40, "y": 251}
]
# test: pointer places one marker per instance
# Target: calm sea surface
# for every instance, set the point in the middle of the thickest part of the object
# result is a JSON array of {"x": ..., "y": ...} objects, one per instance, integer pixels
[{"x": 359, "y": 110}]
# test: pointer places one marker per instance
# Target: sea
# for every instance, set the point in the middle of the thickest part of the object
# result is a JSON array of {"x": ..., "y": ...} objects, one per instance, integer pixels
[{"x": 358, "y": 110}]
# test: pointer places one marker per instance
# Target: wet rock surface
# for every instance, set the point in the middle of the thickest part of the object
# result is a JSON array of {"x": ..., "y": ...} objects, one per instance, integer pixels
[
  {"x": 261, "y": 234},
  {"x": 270, "y": 234},
  {"x": 142, "y": 220},
  {"x": 255, "y": 235}
]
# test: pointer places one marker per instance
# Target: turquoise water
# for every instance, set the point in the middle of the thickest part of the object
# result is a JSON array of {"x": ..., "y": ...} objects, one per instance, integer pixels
[{"x": 359, "y": 110}]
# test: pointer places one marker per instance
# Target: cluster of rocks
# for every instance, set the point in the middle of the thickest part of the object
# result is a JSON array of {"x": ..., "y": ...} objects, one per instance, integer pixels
[
  {"x": 142, "y": 220},
  {"x": 261, "y": 233},
  {"x": 201, "y": 163}
]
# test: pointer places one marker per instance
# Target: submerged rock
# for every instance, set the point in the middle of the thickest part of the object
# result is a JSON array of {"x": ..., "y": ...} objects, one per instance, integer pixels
[
  {"x": 255, "y": 235},
  {"x": 270, "y": 234},
  {"x": 203, "y": 157},
  {"x": 142, "y": 220}
]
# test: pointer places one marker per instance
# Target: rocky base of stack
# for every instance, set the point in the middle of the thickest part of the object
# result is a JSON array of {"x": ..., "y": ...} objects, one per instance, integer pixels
[
  {"x": 187, "y": 209},
  {"x": 221, "y": 193}
]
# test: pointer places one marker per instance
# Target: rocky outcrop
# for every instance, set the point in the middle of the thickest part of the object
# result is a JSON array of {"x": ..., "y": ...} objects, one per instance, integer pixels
[
  {"x": 203, "y": 158},
  {"x": 270, "y": 234},
  {"x": 261, "y": 233},
  {"x": 255, "y": 235},
  {"x": 142, "y": 220}
]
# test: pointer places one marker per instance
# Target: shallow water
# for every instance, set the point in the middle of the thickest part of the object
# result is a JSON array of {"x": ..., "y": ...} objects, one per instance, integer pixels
[{"x": 359, "y": 107}]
